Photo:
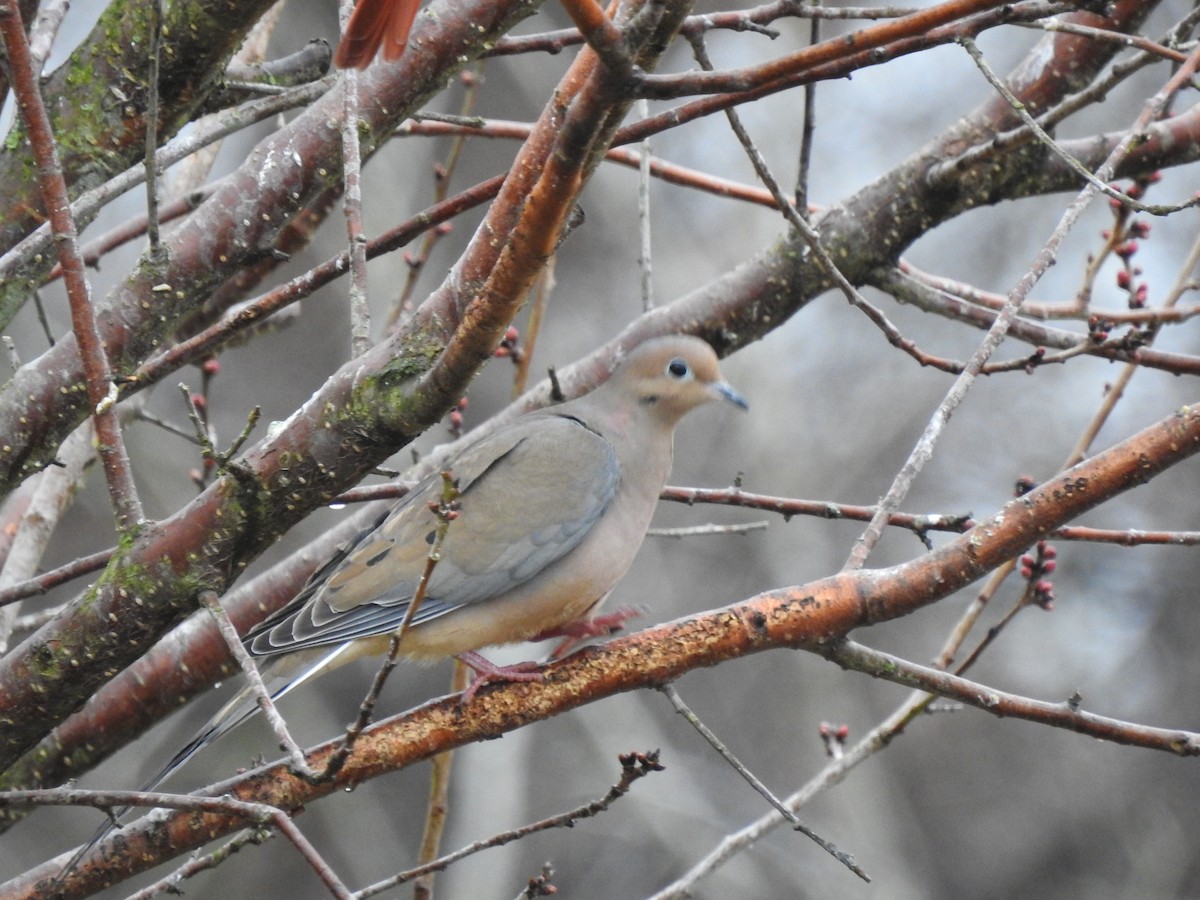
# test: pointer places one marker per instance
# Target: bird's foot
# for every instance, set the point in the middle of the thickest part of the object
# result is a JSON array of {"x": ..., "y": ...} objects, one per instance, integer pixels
[
  {"x": 487, "y": 672},
  {"x": 583, "y": 629}
]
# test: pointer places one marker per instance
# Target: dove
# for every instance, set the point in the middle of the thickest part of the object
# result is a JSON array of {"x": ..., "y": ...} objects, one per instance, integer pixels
[{"x": 551, "y": 510}]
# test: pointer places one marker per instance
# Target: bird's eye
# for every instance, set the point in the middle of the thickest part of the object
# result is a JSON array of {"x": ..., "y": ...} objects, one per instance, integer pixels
[{"x": 678, "y": 368}]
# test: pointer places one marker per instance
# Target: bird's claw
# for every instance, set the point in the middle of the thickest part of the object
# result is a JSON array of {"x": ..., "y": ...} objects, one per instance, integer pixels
[{"x": 487, "y": 672}]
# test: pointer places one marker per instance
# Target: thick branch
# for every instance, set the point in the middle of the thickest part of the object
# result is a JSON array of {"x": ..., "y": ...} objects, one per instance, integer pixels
[
  {"x": 100, "y": 135},
  {"x": 237, "y": 226}
]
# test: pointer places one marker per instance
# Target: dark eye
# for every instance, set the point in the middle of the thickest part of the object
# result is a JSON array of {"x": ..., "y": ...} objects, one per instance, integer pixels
[{"x": 678, "y": 368}]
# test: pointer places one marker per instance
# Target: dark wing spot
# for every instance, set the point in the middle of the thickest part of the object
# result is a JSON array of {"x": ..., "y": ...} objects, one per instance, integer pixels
[{"x": 379, "y": 557}]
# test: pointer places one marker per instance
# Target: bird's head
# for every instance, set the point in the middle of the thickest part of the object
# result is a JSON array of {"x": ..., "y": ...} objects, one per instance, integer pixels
[{"x": 670, "y": 376}]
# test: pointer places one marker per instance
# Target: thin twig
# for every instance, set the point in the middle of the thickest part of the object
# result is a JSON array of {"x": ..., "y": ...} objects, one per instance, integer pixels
[
  {"x": 540, "y": 885},
  {"x": 446, "y": 510},
  {"x": 809, "y": 127},
  {"x": 645, "y": 257},
  {"x": 633, "y": 767},
  {"x": 682, "y": 708},
  {"x": 170, "y": 884},
  {"x": 706, "y": 530},
  {"x": 832, "y": 774},
  {"x": 352, "y": 205},
  {"x": 932, "y": 299},
  {"x": 438, "y": 808},
  {"x": 260, "y": 813},
  {"x": 1164, "y": 315},
  {"x": 542, "y": 289},
  {"x": 1059, "y": 25},
  {"x": 1067, "y": 714},
  {"x": 1043, "y": 137},
  {"x": 153, "y": 173},
  {"x": 672, "y": 173},
  {"x": 210, "y": 601}
]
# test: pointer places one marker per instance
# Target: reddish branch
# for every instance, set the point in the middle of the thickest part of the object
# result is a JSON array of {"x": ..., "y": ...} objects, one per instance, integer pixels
[
  {"x": 659, "y": 168},
  {"x": 101, "y": 393},
  {"x": 527, "y": 219},
  {"x": 187, "y": 662},
  {"x": 235, "y": 228},
  {"x": 816, "y": 616},
  {"x": 865, "y": 39},
  {"x": 844, "y": 66}
]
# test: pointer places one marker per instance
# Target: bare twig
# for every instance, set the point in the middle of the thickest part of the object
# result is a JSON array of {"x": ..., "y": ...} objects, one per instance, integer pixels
[
  {"x": 260, "y": 813},
  {"x": 645, "y": 258},
  {"x": 210, "y": 601},
  {"x": 196, "y": 865},
  {"x": 682, "y": 708},
  {"x": 446, "y": 511},
  {"x": 438, "y": 807},
  {"x": 809, "y": 127},
  {"x": 1045, "y": 258},
  {"x": 352, "y": 206},
  {"x": 1068, "y": 715},
  {"x": 633, "y": 767},
  {"x": 153, "y": 173},
  {"x": 1043, "y": 137},
  {"x": 706, "y": 530}
]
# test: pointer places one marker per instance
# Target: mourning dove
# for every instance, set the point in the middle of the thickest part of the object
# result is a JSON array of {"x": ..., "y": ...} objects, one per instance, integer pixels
[{"x": 552, "y": 509}]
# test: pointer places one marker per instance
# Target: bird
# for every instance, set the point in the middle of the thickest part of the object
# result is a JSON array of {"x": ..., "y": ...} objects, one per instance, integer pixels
[
  {"x": 552, "y": 507},
  {"x": 375, "y": 24}
]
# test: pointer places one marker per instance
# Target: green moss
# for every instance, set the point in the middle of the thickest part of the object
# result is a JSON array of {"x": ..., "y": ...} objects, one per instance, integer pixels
[{"x": 387, "y": 393}]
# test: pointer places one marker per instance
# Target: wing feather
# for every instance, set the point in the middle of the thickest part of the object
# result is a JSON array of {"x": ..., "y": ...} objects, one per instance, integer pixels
[{"x": 520, "y": 511}]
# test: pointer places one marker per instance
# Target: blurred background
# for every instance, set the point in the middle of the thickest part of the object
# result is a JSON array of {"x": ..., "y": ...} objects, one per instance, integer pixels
[{"x": 962, "y": 804}]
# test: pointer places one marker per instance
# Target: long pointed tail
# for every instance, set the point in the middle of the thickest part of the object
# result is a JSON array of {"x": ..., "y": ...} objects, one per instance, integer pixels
[{"x": 281, "y": 674}]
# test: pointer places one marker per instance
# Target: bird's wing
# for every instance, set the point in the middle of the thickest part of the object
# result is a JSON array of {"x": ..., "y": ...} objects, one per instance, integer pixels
[{"x": 528, "y": 495}]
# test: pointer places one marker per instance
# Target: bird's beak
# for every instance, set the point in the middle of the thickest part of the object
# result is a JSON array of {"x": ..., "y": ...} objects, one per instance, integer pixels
[{"x": 724, "y": 391}]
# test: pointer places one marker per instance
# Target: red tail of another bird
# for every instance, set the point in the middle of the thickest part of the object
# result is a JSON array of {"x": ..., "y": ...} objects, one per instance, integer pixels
[{"x": 375, "y": 24}]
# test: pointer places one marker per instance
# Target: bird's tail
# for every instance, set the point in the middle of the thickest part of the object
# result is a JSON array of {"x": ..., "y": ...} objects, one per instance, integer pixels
[{"x": 281, "y": 674}]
